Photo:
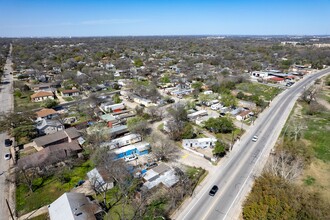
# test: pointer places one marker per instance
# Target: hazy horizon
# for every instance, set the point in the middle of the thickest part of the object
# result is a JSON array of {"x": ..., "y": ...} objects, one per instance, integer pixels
[{"x": 88, "y": 18}]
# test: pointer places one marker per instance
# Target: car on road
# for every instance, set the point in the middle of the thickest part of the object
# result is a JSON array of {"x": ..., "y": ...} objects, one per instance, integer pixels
[
  {"x": 130, "y": 158},
  {"x": 8, "y": 142},
  {"x": 255, "y": 138},
  {"x": 214, "y": 190},
  {"x": 7, "y": 156}
]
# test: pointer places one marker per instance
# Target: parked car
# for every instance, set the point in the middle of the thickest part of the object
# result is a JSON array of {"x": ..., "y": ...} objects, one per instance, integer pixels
[
  {"x": 255, "y": 138},
  {"x": 7, "y": 156},
  {"x": 130, "y": 158},
  {"x": 214, "y": 190},
  {"x": 8, "y": 142},
  {"x": 216, "y": 106},
  {"x": 151, "y": 165}
]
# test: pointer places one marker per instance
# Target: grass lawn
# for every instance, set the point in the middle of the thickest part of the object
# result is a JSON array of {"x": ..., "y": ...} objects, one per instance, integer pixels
[
  {"x": 195, "y": 174},
  {"x": 268, "y": 92},
  {"x": 317, "y": 133},
  {"x": 47, "y": 189},
  {"x": 68, "y": 99},
  {"x": 229, "y": 137},
  {"x": 40, "y": 217},
  {"x": 316, "y": 175},
  {"x": 24, "y": 103}
]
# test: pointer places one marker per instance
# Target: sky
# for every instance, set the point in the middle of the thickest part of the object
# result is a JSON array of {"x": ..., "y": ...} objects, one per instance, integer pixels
[{"x": 65, "y": 18}]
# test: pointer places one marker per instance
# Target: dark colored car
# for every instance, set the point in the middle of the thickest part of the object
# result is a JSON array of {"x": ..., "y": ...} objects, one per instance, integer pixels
[
  {"x": 8, "y": 142},
  {"x": 214, "y": 190}
]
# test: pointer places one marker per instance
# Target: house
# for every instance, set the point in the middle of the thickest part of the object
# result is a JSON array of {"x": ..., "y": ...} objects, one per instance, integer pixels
[
  {"x": 143, "y": 101},
  {"x": 70, "y": 93},
  {"x": 247, "y": 104},
  {"x": 199, "y": 142},
  {"x": 243, "y": 115},
  {"x": 108, "y": 118},
  {"x": 276, "y": 79},
  {"x": 107, "y": 131},
  {"x": 64, "y": 136},
  {"x": 137, "y": 149},
  {"x": 236, "y": 111},
  {"x": 46, "y": 87},
  {"x": 46, "y": 126},
  {"x": 100, "y": 179},
  {"x": 122, "y": 141},
  {"x": 259, "y": 74},
  {"x": 109, "y": 107},
  {"x": 50, "y": 155},
  {"x": 197, "y": 114},
  {"x": 161, "y": 174},
  {"x": 46, "y": 113},
  {"x": 74, "y": 206},
  {"x": 202, "y": 119},
  {"x": 41, "y": 96}
]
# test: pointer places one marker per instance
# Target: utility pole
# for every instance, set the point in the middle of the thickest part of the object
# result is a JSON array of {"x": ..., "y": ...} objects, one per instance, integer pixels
[
  {"x": 11, "y": 213},
  {"x": 232, "y": 141}
]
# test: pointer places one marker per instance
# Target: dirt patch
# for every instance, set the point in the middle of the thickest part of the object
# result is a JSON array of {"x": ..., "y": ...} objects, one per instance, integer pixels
[
  {"x": 297, "y": 111},
  {"x": 319, "y": 171}
]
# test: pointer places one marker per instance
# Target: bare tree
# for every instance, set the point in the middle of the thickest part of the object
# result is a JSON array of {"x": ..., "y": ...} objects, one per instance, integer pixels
[
  {"x": 295, "y": 129},
  {"x": 285, "y": 165},
  {"x": 309, "y": 95},
  {"x": 118, "y": 170},
  {"x": 156, "y": 113},
  {"x": 163, "y": 148}
]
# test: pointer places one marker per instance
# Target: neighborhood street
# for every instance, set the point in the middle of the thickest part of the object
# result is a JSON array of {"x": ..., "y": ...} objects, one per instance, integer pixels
[
  {"x": 236, "y": 172},
  {"x": 6, "y": 100}
]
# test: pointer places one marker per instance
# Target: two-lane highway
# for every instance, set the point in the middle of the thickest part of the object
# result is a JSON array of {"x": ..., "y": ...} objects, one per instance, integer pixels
[{"x": 235, "y": 176}]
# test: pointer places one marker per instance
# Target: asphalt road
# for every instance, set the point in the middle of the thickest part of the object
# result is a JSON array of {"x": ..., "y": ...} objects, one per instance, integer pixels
[
  {"x": 235, "y": 174},
  {"x": 6, "y": 105}
]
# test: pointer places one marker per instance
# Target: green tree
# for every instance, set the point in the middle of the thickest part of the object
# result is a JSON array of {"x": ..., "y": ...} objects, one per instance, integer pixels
[
  {"x": 138, "y": 125},
  {"x": 228, "y": 100},
  {"x": 21, "y": 126},
  {"x": 220, "y": 149},
  {"x": 116, "y": 98},
  {"x": 138, "y": 62},
  {"x": 188, "y": 131},
  {"x": 165, "y": 79},
  {"x": 240, "y": 95},
  {"x": 49, "y": 103},
  {"x": 219, "y": 125},
  {"x": 197, "y": 85},
  {"x": 256, "y": 66}
]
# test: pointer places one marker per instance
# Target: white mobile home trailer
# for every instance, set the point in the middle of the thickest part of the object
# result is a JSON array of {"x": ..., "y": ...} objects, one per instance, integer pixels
[
  {"x": 197, "y": 114},
  {"x": 122, "y": 141}
]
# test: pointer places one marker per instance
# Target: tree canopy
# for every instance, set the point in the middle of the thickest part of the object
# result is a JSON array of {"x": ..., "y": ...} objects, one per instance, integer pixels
[{"x": 219, "y": 125}]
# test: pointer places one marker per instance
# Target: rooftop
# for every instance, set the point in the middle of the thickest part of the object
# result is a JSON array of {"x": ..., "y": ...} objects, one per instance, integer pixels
[
  {"x": 45, "y": 112},
  {"x": 73, "y": 206},
  {"x": 41, "y": 94}
]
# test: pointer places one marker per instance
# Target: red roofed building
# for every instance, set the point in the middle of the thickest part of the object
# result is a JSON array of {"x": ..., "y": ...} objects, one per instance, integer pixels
[
  {"x": 41, "y": 96},
  {"x": 276, "y": 79}
]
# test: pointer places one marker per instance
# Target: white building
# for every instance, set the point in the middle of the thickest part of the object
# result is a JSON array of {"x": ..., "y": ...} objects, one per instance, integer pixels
[
  {"x": 197, "y": 114},
  {"x": 199, "y": 142},
  {"x": 100, "y": 179},
  {"x": 112, "y": 107},
  {"x": 122, "y": 141}
]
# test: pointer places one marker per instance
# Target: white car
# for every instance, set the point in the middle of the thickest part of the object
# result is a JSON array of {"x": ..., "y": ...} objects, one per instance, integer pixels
[
  {"x": 130, "y": 158},
  {"x": 255, "y": 138},
  {"x": 216, "y": 106}
]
